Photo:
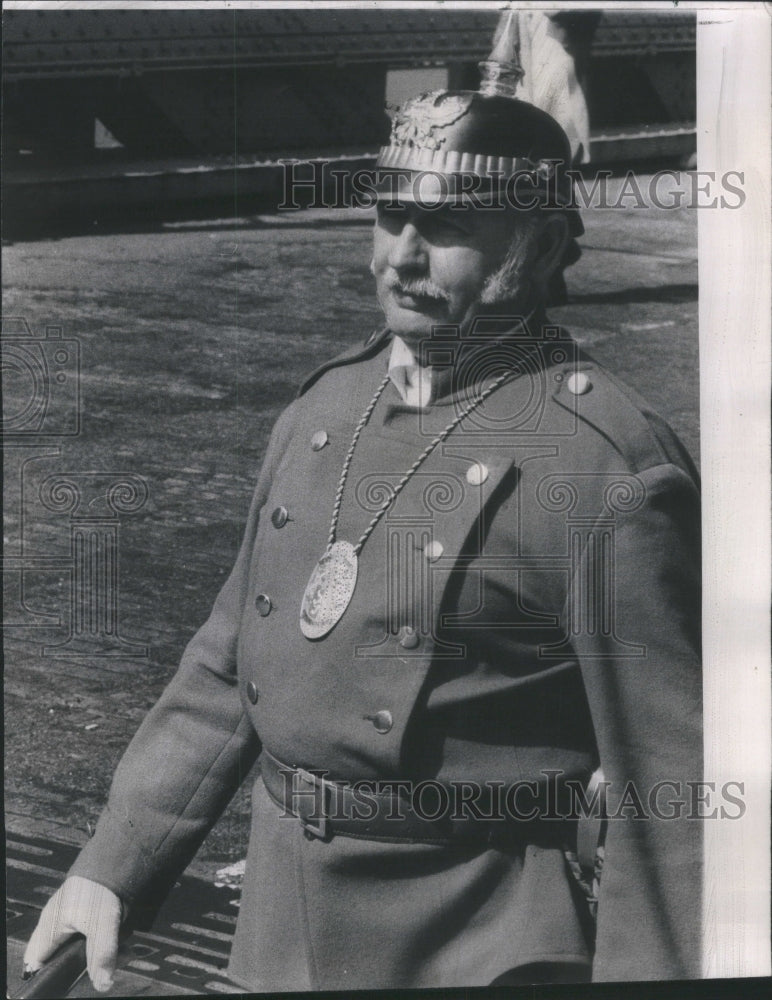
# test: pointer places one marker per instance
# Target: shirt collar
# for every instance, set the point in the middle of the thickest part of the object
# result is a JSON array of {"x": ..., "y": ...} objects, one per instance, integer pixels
[
  {"x": 413, "y": 382},
  {"x": 423, "y": 386}
]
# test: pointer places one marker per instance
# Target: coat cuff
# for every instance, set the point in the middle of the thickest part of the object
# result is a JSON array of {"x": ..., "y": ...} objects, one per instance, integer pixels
[{"x": 115, "y": 859}]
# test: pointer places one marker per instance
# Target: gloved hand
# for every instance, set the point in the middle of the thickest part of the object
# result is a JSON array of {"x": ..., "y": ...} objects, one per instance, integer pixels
[{"x": 85, "y": 907}]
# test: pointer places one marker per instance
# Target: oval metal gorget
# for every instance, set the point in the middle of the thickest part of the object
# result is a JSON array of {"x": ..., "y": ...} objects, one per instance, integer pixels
[
  {"x": 331, "y": 587},
  {"x": 329, "y": 590}
]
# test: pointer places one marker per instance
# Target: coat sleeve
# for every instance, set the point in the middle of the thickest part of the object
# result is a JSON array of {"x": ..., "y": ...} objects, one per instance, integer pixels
[
  {"x": 647, "y": 714},
  {"x": 191, "y": 752}
]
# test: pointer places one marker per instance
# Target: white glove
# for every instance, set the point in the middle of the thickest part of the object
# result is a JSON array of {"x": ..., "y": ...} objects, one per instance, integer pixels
[{"x": 85, "y": 907}]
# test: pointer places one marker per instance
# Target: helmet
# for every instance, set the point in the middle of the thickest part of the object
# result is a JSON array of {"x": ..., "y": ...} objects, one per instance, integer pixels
[{"x": 483, "y": 147}]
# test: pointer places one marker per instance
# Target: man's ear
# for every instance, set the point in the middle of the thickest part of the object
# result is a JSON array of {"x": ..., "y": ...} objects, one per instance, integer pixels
[{"x": 551, "y": 244}]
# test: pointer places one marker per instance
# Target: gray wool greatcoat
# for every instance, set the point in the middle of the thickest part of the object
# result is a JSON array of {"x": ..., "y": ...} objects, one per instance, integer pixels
[{"x": 557, "y": 626}]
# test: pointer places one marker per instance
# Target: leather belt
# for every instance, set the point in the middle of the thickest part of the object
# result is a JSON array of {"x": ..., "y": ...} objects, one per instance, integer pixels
[{"x": 369, "y": 811}]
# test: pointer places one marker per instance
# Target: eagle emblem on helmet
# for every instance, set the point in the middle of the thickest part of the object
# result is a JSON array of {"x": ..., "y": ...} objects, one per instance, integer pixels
[{"x": 419, "y": 121}]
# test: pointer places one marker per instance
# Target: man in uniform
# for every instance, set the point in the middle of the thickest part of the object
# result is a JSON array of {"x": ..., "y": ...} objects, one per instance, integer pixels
[{"x": 469, "y": 579}]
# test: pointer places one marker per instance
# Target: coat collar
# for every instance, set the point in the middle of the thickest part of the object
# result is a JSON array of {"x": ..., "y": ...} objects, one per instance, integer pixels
[
  {"x": 489, "y": 331},
  {"x": 359, "y": 352}
]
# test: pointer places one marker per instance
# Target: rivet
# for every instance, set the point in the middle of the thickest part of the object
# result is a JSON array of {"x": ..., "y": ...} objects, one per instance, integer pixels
[
  {"x": 433, "y": 550},
  {"x": 578, "y": 384},
  {"x": 279, "y": 517},
  {"x": 319, "y": 440},
  {"x": 476, "y": 474}
]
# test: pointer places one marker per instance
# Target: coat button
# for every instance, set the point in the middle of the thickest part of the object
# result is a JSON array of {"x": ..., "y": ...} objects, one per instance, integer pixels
[
  {"x": 409, "y": 638},
  {"x": 578, "y": 384},
  {"x": 382, "y": 720},
  {"x": 476, "y": 474},
  {"x": 279, "y": 517},
  {"x": 319, "y": 440},
  {"x": 433, "y": 550},
  {"x": 252, "y": 692},
  {"x": 263, "y": 604}
]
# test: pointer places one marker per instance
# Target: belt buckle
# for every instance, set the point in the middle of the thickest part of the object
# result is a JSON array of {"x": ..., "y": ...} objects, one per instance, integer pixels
[{"x": 314, "y": 823}]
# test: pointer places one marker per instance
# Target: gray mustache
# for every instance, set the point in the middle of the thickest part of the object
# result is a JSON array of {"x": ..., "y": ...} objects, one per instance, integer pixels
[{"x": 419, "y": 287}]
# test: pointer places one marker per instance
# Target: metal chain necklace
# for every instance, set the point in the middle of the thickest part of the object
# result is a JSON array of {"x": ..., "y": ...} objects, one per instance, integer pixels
[{"x": 332, "y": 582}]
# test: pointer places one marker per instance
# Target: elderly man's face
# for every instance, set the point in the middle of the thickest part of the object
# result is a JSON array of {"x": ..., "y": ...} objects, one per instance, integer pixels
[{"x": 431, "y": 266}]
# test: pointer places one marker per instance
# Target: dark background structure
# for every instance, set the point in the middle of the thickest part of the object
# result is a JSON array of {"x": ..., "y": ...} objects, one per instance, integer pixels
[{"x": 153, "y": 109}]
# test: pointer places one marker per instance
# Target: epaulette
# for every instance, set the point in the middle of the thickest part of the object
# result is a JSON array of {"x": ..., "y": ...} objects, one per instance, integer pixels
[
  {"x": 358, "y": 352},
  {"x": 616, "y": 412}
]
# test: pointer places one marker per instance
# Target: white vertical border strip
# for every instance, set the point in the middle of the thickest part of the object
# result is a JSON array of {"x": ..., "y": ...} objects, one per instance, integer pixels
[{"x": 733, "y": 129}]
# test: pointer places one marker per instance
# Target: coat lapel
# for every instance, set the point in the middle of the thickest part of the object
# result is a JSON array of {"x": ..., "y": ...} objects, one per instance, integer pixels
[{"x": 443, "y": 511}]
